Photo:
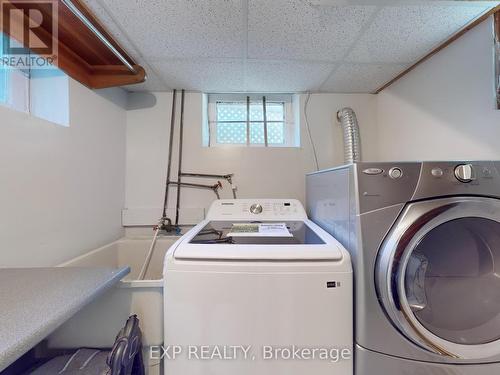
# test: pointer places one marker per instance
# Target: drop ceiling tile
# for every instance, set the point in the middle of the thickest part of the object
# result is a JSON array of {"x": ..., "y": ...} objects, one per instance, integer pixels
[
  {"x": 361, "y": 78},
  {"x": 153, "y": 82},
  {"x": 283, "y": 75},
  {"x": 202, "y": 75},
  {"x": 402, "y": 34},
  {"x": 167, "y": 36},
  {"x": 181, "y": 28},
  {"x": 295, "y": 29},
  {"x": 107, "y": 20}
]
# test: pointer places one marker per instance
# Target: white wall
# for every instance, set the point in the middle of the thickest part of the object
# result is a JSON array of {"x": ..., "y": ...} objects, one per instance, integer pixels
[
  {"x": 259, "y": 172},
  {"x": 61, "y": 188},
  {"x": 445, "y": 108}
]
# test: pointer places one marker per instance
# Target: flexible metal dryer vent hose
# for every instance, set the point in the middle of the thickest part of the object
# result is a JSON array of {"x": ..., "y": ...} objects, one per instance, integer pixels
[{"x": 352, "y": 140}]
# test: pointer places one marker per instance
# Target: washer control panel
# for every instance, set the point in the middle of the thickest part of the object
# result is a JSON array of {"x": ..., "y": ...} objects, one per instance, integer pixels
[{"x": 256, "y": 209}]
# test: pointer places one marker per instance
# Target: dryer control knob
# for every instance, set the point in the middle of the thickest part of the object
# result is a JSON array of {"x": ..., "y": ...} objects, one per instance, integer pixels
[
  {"x": 256, "y": 208},
  {"x": 464, "y": 173},
  {"x": 395, "y": 173}
]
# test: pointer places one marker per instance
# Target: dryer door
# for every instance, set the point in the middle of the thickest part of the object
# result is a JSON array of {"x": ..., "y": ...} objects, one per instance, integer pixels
[{"x": 438, "y": 276}]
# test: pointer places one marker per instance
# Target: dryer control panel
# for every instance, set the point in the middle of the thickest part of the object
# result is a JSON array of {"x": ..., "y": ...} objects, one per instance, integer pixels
[
  {"x": 256, "y": 209},
  {"x": 389, "y": 183},
  {"x": 458, "y": 178}
]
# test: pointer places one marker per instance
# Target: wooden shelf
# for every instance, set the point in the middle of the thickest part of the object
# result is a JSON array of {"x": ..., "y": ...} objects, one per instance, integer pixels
[{"x": 80, "y": 52}]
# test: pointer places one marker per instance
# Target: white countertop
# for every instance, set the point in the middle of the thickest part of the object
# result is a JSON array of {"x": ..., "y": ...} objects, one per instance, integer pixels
[{"x": 36, "y": 301}]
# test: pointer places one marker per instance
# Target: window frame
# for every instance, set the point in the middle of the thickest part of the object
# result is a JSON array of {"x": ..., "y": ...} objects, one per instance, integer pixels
[{"x": 288, "y": 121}]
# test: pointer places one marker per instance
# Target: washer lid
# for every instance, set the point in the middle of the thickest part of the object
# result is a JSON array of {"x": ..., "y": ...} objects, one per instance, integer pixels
[{"x": 209, "y": 240}]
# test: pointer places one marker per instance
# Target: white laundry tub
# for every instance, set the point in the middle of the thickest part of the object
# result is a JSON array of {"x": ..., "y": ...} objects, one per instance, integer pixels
[{"x": 98, "y": 323}]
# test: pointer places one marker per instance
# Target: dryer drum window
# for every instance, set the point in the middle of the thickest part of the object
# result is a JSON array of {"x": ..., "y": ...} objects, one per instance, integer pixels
[
  {"x": 438, "y": 276},
  {"x": 452, "y": 281}
]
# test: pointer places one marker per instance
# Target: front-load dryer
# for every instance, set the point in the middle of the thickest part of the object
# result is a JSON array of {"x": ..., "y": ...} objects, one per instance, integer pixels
[
  {"x": 424, "y": 238},
  {"x": 257, "y": 288}
]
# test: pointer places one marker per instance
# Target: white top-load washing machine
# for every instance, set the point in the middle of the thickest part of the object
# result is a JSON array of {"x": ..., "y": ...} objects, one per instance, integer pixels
[{"x": 246, "y": 294}]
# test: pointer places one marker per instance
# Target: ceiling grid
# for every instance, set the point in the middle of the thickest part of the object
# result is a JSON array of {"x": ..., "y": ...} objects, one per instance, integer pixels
[
  {"x": 280, "y": 45},
  {"x": 336, "y": 68}
]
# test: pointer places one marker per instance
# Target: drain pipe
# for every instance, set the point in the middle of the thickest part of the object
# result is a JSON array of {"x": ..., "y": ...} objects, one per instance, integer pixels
[
  {"x": 149, "y": 255},
  {"x": 352, "y": 141}
]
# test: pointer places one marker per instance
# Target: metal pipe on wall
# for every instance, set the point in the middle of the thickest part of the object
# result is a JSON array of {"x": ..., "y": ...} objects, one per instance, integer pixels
[
  {"x": 215, "y": 188},
  {"x": 179, "y": 184},
  {"x": 163, "y": 220},
  {"x": 169, "y": 163},
  {"x": 227, "y": 177},
  {"x": 179, "y": 168},
  {"x": 206, "y": 175}
]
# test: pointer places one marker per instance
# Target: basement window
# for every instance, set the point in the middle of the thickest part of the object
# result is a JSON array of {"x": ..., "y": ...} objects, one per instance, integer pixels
[
  {"x": 42, "y": 93},
  {"x": 262, "y": 120}
]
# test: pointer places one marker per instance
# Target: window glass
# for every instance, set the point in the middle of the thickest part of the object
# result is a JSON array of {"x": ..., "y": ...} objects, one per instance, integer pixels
[
  {"x": 257, "y": 133},
  {"x": 44, "y": 93},
  {"x": 275, "y": 133},
  {"x": 236, "y": 120},
  {"x": 231, "y": 112},
  {"x": 49, "y": 96},
  {"x": 256, "y": 112},
  {"x": 232, "y": 133},
  {"x": 275, "y": 112}
]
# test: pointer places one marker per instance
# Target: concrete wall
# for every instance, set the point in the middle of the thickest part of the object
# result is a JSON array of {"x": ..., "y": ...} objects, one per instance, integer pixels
[
  {"x": 259, "y": 172},
  {"x": 61, "y": 188},
  {"x": 445, "y": 108}
]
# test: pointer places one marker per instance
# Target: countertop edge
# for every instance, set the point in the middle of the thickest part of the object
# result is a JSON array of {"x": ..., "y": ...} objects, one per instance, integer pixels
[{"x": 26, "y": 343}]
